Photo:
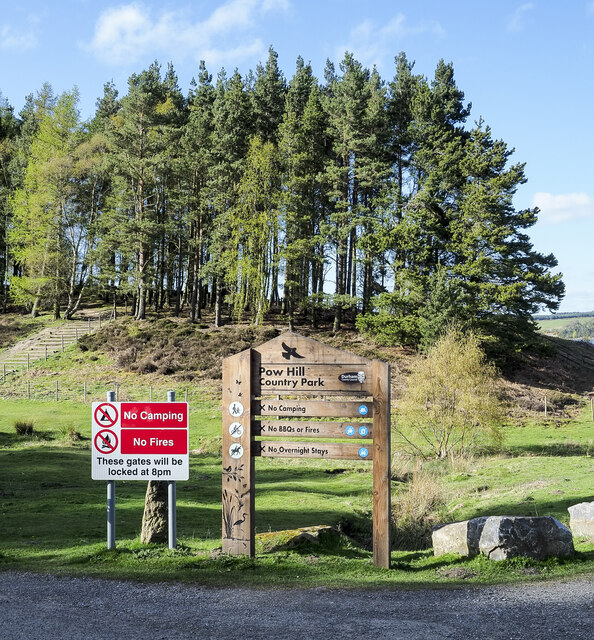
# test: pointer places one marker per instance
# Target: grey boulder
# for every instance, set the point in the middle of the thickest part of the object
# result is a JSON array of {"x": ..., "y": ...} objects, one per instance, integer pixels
[
  {"x": 542, "y": 537},
  {"x": 502, "y": 537},
  {"x": 458, "y": 537},
  {"x": 581, "y": 519}
]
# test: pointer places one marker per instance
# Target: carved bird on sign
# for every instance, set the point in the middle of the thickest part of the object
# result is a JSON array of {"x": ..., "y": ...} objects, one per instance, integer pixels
[{"x": 238, "y": 522}]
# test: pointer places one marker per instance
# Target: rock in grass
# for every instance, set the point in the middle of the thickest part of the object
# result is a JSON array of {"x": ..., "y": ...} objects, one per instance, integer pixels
[
  {"x": 291, "y": 538},
  {"x": 458, "y": 537},
  {"x": 154, "y": 521},
  {"x": 581, "y": 519},
  {"x": 502, "y": 537},
  {"x": 506, "y": 537}
]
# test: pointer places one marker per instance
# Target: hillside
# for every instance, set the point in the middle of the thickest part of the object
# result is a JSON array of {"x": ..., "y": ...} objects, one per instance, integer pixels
[{"x": 169, "y": 351}]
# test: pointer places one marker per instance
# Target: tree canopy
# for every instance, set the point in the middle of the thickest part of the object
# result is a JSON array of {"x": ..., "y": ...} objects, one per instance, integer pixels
[{"x": 354, "y": 197}]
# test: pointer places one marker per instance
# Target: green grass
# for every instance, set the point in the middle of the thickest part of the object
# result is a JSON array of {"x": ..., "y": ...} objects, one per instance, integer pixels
[
  {"x": 554, "y": 325},
  {"x": 53, "y": 514}
]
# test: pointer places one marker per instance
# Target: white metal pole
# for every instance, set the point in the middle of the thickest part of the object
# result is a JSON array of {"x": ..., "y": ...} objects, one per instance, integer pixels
[
  {"x": 111, "y": 499},
  {"x": 171, "y": 498}
]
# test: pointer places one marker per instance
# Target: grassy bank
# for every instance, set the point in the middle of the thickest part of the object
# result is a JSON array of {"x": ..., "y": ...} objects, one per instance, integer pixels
[{"x": 53, "y": 514}]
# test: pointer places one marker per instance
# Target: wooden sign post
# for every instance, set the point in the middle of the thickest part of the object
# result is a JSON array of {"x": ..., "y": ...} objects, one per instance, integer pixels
[{"x": 273, "y": 391}]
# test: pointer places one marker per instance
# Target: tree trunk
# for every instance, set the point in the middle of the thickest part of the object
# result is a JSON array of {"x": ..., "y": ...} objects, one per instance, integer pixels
[{"x": 218, "y": 302}]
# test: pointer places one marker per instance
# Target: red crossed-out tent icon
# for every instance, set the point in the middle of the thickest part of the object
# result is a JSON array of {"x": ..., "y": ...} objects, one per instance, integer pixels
[{"x": 106, "y": 415}]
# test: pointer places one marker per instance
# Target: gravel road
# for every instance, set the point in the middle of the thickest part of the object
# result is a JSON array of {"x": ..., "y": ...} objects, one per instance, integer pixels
[{"x": 43, "y": 607}]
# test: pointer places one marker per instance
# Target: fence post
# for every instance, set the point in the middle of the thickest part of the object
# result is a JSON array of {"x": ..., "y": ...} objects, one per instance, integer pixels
[
  {"x": 45, "y": 345},
  {"x": 28, "y": 361},
  {"x": 85, "y": 391},
  {"x": 545, "y": 406},
  {"x": 117, "y": 392},
  {"x": 62, "y": 340},
  {"x": 57, "y": 392},
  {"x": 28, "y": 390},
  {"x": 100, "y": 320}
]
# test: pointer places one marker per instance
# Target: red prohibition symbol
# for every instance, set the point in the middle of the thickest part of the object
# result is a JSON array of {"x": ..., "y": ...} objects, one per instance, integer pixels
[
  {"x": 106, "y": 441},
  {"x": 106, "y": 415}
]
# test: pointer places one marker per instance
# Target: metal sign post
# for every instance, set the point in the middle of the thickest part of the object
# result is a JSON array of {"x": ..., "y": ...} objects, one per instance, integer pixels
[
  {"x": 273, "y": 391},
  {"x": 171, "y": 499},
  {"x": 111, "y": 499}
]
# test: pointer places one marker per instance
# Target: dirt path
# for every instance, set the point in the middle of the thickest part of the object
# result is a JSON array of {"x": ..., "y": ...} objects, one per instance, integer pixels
[{"x": 38, "y": 607}]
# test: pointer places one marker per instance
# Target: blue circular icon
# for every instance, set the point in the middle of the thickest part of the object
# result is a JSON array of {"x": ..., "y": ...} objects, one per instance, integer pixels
[
  {"x": 363, "y": 452},
  {"x": 363, "y": 410},
  {"x": 350, "y": 430},
  {"x": 363, "y": 431}
]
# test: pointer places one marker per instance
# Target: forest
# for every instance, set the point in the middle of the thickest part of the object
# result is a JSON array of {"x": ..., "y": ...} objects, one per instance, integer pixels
[{"x": 350, "y": 199}]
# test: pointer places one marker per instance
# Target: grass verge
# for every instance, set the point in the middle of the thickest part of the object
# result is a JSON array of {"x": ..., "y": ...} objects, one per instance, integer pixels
[{"x": 53, "y": 514}]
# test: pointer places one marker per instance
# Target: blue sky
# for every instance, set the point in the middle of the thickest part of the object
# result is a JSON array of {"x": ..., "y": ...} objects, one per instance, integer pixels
[{"x": 527, "y": 68}]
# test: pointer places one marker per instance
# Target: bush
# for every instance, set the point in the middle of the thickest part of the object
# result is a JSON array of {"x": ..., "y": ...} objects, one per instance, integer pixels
[
  {"x": 24, "y": 427},
  {"x": 450, "y": 405}
]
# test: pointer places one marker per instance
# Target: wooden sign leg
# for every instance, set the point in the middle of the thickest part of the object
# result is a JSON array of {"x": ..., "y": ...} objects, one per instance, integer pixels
[
  {"x": 381, "y": 465},
  {"x": 238, "y": 463}
]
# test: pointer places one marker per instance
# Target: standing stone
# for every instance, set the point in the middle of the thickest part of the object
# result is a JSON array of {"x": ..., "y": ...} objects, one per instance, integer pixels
[
  {"x": 581, "y": 519},
  {"x": 506, "y": 537},
  {"x": 154, "y": 520}
]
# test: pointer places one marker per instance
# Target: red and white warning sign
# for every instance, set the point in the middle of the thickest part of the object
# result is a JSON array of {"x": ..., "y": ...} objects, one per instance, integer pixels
[{"x": 140, "y": 441}]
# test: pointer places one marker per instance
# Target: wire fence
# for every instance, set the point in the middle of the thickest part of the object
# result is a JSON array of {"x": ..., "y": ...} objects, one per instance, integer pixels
[{"x": 90, "y": 391}]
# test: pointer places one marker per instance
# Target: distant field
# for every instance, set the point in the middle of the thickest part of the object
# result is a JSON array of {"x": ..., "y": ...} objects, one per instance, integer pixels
[{"x": 555, "y": 324}]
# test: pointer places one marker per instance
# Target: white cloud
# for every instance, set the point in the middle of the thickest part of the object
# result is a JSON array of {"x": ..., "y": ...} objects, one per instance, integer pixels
[
  {"x": 516, "y": 20},
  {"x": 371, "y": 44},
  {"x": 17, "y": 40},
  {"x": 563, "y": 207},
  {"x": 129, "y": 32}
]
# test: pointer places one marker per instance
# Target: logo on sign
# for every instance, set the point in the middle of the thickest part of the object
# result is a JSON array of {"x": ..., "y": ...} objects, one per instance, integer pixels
[
  {"x": 363, "y": 452},
  {"x": 289, "y": 352},
  {"x": 363, "y": 431},
  {"x": 363, "y": 410},
  {"x": 357, "y": 377},
  {"x": 350, "y": 430}
]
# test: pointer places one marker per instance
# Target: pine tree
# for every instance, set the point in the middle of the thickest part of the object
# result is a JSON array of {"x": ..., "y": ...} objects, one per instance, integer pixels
[
  {"x": 232, "y": 124},
  {"x": 303, "y": 153},
  {"x": 197, "y": 143},
  {"x": 137, "y": 150}
]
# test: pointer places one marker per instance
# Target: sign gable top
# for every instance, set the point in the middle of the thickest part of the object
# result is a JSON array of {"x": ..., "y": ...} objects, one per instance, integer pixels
[{"x": 292, "y": 348}]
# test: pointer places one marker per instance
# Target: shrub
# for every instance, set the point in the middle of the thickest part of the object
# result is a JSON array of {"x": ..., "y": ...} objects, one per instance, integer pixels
[
  {"x": 24, "y": 427},
  {"x": 450, "y": 405}
]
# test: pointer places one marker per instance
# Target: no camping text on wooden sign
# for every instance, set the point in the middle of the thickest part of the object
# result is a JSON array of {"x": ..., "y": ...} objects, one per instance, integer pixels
[{"x": 273, "y": 391}]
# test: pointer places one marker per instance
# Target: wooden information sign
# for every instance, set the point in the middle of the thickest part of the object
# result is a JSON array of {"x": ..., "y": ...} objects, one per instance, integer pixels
[{"x": 288, "y": 379}]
